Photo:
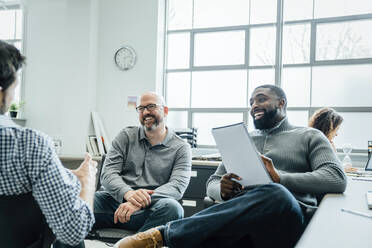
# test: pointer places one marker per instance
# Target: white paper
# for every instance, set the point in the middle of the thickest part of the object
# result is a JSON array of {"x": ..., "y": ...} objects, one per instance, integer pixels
[{"x": 239, "y": 154}]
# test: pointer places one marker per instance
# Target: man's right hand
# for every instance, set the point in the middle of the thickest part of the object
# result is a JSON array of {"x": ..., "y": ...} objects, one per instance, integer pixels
[
  {"x": 229, "y": 188},
  {"x": 140, "y": 197},
  {"x": 86, "y": 173}
]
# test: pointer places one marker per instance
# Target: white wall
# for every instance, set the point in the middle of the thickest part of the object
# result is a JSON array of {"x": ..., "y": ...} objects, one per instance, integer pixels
[
  {"x": 125, "y": 22},
  {"x": 69, "y": 45}
]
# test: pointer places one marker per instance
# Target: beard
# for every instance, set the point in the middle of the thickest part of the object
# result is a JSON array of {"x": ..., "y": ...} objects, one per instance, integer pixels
[
  {"x": 267, "y": 120},
  {"x": 154, "y": 125}
]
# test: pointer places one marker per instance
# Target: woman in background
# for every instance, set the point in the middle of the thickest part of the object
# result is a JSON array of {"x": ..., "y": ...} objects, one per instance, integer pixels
[{"x": 328, "y": 121}]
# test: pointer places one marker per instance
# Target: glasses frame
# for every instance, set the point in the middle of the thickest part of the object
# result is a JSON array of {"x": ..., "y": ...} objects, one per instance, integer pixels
[{"x": 150, "y": 107}]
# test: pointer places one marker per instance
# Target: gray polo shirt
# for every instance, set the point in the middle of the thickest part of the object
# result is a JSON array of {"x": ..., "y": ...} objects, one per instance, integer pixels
[{"x": 132, "y": 163}]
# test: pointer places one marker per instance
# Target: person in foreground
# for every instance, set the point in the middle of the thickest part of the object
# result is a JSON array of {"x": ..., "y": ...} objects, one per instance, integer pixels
[
  {"x": 328, "y": 121},
  {"x": 29, "y": 165},
  {"x": 146, "y": 171},
  {"x": 301, "y": 164}
]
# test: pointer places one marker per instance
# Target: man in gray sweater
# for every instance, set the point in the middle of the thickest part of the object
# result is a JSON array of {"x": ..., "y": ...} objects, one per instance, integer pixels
[
  {"x": 145, "y": 172},
  {"x": 302, "y": 165}
]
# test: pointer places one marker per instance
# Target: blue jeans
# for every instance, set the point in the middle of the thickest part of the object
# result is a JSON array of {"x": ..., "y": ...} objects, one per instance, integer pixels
[
  {"x": 158, "y": 213},
  {"x": 266, "y": 216}
]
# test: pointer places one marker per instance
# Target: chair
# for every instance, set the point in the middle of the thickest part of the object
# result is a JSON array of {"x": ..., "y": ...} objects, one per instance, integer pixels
[
  {"x": 188, "y": 134},
  {"x": 22, "y": 223},
  {"x": 109, "y": 235}
]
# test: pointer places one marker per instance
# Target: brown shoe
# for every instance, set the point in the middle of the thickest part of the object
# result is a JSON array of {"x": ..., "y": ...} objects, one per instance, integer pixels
[{"x": 148, "y": 239}]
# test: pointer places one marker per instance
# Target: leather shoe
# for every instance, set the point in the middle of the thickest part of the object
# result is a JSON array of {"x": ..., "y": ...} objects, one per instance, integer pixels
[{"x": 149, "y": 239}]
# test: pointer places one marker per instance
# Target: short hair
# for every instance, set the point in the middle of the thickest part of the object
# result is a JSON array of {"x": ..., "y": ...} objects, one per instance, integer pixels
[
  {"x": 326, "y": 120},
  {"x": 11, "y": 60},
  {"x": 279, "y": 92}
]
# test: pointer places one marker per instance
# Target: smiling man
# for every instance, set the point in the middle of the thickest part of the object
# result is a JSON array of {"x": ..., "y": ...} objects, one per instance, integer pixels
[
  {"x": 302, "y": 165},
  {"x": 145, "y": 172}
]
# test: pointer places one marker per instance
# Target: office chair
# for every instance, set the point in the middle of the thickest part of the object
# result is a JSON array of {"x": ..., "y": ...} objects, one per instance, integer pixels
[
  {"x": 109, "y": 235},
  {"x": 189, "y": 135},
  {"x": 22, "y": 223}
]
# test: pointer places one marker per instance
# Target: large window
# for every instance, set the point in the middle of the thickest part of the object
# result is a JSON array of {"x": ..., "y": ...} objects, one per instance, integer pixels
[
  {"x": 11, "y": 28},
  {"x": 319, "y": 51}
]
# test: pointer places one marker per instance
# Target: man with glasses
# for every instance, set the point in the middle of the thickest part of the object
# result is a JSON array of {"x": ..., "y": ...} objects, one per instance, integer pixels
[{"x": 145, "y": 172}]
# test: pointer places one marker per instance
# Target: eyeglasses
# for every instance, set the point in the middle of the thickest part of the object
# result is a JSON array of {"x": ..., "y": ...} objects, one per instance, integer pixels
[{"x": 149, "y": 107}]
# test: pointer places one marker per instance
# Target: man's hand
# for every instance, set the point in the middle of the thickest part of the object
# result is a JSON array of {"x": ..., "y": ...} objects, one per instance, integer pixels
[
  {"x": 124, "y": 212},
  {"x": 86, "y": 173},
  {"x": 140, "y": 198},
  {"x": 270, "y": 168},
  {"x": 229, "y": 188}
]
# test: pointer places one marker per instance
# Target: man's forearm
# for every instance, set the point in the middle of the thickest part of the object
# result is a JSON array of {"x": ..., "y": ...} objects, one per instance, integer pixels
[{"x": 87, "y": 195}]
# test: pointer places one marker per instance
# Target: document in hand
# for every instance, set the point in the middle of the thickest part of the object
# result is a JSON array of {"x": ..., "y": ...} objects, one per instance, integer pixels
[{"x": 239, "y": 154}]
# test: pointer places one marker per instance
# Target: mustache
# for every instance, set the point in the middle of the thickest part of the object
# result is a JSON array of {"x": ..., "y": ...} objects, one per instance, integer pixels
[
  {"x": 258, "y": 110},
  {"x": 148, "y": 115}
]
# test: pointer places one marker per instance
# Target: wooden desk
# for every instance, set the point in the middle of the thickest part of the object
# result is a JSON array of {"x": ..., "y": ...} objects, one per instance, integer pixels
[{"x": 330, "y": 227}]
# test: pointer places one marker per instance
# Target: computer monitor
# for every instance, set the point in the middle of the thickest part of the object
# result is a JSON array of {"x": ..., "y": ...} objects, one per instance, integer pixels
[{"x": 369, "y": 164}]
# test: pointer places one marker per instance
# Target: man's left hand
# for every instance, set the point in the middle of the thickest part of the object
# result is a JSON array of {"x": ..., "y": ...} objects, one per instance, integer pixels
[
  {"x": 270, "y": 168},
  {"x": 124, "y": 212}
]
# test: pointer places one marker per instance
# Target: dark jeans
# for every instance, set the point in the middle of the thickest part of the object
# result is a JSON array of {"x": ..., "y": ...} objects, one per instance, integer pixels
[
  {"x": 158, "y": 213},
  {"x": 266, "y": 216}
]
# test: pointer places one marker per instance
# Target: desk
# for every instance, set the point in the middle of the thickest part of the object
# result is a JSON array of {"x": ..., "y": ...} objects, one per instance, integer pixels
[{"x": 330, "y": 227}]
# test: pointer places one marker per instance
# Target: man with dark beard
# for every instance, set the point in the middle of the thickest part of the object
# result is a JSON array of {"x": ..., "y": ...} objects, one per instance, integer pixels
[
  {"x": 145, "y": 172},
  {"x": 302, "y": 165}
]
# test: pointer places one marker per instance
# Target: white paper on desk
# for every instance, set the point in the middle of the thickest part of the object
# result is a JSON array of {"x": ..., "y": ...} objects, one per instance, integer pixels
[{"x": 239, "y": 154}]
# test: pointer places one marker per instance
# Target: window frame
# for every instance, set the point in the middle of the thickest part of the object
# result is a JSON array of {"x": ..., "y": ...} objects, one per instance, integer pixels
[{"x": 278, "y": 66}]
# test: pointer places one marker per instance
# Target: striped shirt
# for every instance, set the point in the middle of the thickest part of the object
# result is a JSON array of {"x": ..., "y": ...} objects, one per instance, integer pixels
[{"x": 28, "y": 163}]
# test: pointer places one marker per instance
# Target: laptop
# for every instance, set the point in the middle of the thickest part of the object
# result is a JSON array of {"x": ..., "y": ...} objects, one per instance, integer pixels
[{"x": 365, "y": 172}]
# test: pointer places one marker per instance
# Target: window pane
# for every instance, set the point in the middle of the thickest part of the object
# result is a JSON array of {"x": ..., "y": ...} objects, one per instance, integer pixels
[
  {"x": 259, "y": 77},
  {"x": 219, "y": 89},
  {"x": 179, "y": 14},
  {"x": 263, "y": 11},
  {"x": 206, "y": 121},
  {"x": 217, "y": 13},
  {"x": 262, "y": 46},
  {"x": 331, "y": 8},
  {"x": 344, "y": 40},
  {"x": 355, "y": 129},
  {"x": 295, "y": 80},
  {"x": 7, "y": 24},
  {"x": 298, "y": 10},
  {"x": 219, "y": 48},
  {"x": 298, "y": 118},
  {"x": 19, "y": 25},
  {"x": 343, "y": 86},
  {"x": 178, "y": 90},
  {"x": 177, "y": 119},
  {"x": 178, "y": 51},
  {"x": 296, "y": 44},
  {"x": 18, "y": 44}
]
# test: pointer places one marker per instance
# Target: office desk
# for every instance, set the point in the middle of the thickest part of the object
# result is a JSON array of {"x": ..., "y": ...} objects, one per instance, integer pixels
[{"x": 330, "y": 227}]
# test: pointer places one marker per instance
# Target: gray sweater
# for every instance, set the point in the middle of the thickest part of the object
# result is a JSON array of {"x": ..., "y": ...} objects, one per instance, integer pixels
[
  {"x": 132, "y": 163},
  {"x": 304, "y": 158}
]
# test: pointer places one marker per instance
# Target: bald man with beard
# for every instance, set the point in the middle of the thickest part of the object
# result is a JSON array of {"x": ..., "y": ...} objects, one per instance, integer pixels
[{"x": 146, "y": 172}]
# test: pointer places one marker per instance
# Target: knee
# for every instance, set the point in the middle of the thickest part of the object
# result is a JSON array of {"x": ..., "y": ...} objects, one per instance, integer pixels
[
  {"x": 285, "y": 202},
  {"x": 277, "y": 192},
  {"x": 171, "y": 208}
]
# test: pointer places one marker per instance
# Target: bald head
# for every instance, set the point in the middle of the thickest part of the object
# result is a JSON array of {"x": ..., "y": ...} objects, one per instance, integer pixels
[{"x": 153, "y": 96}]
